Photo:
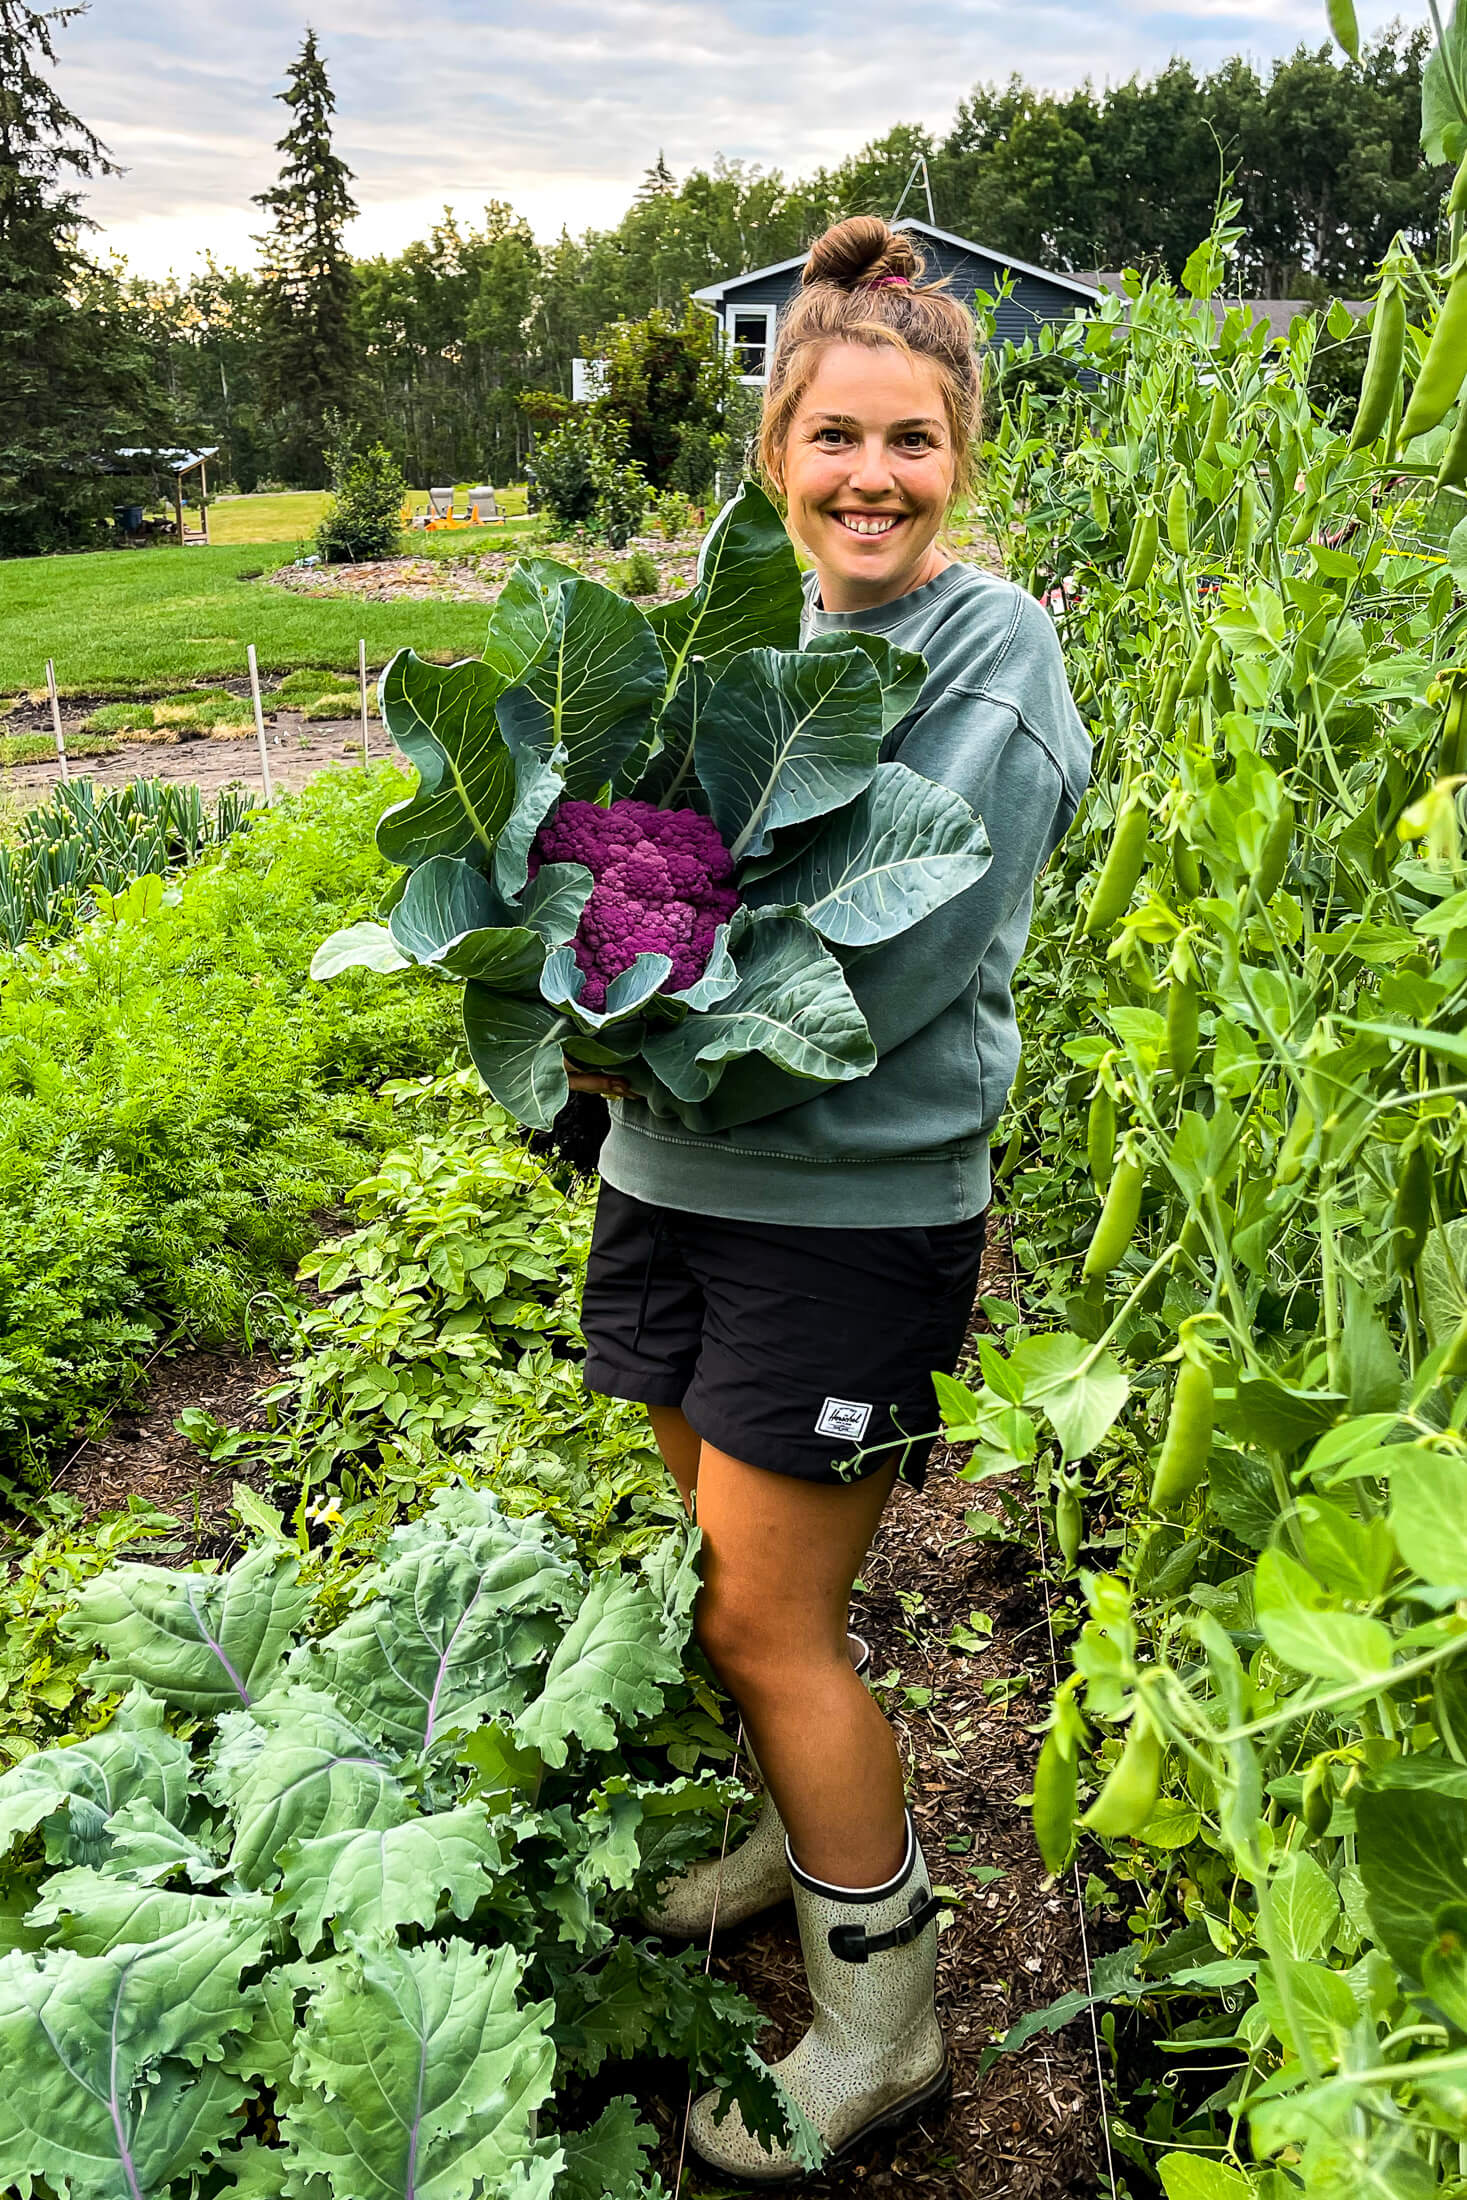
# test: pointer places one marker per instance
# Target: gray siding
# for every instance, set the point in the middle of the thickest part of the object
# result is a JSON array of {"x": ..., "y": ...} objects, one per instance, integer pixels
[{"x": 1032, "y": 301}]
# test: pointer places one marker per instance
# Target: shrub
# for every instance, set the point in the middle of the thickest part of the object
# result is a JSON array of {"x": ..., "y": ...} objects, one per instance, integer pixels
[
  {"x": 581, "y": 476},
  {"x": 364, "y": 517},
  {"x": 636, "y": 575},
  {"x": 672, "y": 514}
]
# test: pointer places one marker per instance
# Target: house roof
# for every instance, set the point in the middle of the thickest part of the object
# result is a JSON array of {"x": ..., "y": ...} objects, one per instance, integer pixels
[
  {"x": 1082, "y": 287},
  {"x": 1279, "y": 313}
]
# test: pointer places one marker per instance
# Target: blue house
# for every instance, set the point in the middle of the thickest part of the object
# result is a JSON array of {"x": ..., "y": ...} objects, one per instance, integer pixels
[{"x": 748, "y": 306}]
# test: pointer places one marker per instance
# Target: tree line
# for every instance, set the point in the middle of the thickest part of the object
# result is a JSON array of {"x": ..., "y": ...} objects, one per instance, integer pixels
[{"x": 434, "y": 349}]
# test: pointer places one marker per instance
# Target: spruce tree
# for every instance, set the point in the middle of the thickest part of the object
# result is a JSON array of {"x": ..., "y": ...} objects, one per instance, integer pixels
[
  {"x": 74, "y": 380},
  {"x": 309, "y": 361}
]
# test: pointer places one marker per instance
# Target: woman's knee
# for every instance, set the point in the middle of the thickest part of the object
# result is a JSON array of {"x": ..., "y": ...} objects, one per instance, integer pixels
[{"x": 753, "y": 1658}]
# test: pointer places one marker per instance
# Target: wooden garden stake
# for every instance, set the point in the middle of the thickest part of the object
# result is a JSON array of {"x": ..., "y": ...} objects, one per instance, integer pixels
[
  {"x": 260, "y": 727},
  {"x": 56, "y": 725},
  {"x": 362, "y": 669}
]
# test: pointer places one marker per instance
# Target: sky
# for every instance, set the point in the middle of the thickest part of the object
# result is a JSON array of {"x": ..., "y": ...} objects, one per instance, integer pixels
[{"x": 560, "y": 106}]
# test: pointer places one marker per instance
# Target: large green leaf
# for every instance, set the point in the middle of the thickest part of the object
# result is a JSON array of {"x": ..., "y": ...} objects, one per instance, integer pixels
[
  {"x": 420, "y": 2072},
  {"x": 902, "y": 672},
  {"x": 1411, "y": 1848},
  {"x": 93, "y": 1912},
  {"x": 1304, "y": 1625},
  {"x": 791, "y": 1004},
  {"x": 1428, "y": 1517},
  {"x": 451, "y": 916},
  {"x": 442, "y": 718},
  {"x": 1304, "y": 1904},
  {"x": 515, "y": 1045},
  {"x": 599, "y": 676},
  {"x": 438, "y": 1640},
  {"x": 610, "y": 1669},
  {"x": 608, "y": 2161},
  {"x": 786, "y": 736},
  {"x": 1443, "y": 128},
  {"x": 900, "y": 850},
  {"x": 524, "y": 617},
  {"x": 360, "y": 946},
  {"x": 526, "y": 727},
  {"x": 668, "y": 779},
  {"x": 77, "y": 2034},
  {"x": 134, "y": 1757},
  {"x": 205, "y": 1642},
  {"x": 747, "y": 594},
  {"x": 293, "y": 1767},
  {"x": 374, "y": 1882},
  {"x": 563, "y": 982}
]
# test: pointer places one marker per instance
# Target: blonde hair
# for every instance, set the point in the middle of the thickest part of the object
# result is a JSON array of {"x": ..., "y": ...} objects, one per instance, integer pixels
[{"x": 862, "y": 284}]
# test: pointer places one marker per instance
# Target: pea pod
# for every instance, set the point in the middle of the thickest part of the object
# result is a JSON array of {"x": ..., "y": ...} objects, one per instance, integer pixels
[
  {"x": 1099, "y": 506},
  {"x": 1317, "y": 1801},
  {"x": 1411, "y": 1208},
  {"x": 1345, "y": 27},
  {"x": 1382, "y": 366},
  {"x": 1305, "y": 524},
  {"x": 1118, "y": 1219},
  {"x": 1297, "y": 1141},
  {"x": 1217, "y": 420},
  {"x": 1120, "y": 870},
  {"x": 1141, "y": 556},
  {"x": 1272, "y": 862},
  {"x": 1454, "y": 1364},
  {"x": 1179, "y": 518},
  {"x": 1100, "y": 1138},
  {"x": 1185, "y": 868},
  {"x": 1128, "y": 1797},
  {"x": 1056, "y": 1785},
  {"x": 1457, "y": 199},
  {"x": 1452, "y": 749},
  {"x": 1069, "y": 1517},
  {"x": 1187, "y": 1444},
  {"x": 1194, "y": 680},
  {"x": 1452, "y": 472},
  {"x": 1445, "y": 365},
  {"x": 1166, "y": 705},
  {"x": 1247, "y": 522},
  {"x": 1181, "y": 1026}
]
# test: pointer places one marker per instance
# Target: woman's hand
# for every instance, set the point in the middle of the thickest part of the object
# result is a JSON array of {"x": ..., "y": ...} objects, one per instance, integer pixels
[{"x": 595, "y": 1080}]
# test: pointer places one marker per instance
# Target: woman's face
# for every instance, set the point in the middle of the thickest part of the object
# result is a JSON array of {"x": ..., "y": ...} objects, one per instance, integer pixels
[{"x": 869, "y": 471}]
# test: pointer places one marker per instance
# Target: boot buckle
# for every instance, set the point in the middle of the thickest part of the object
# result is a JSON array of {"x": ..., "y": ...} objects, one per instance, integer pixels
[{"x": 853, "y": 1944}]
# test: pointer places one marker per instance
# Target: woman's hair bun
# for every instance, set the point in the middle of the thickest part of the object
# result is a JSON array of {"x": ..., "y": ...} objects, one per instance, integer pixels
[{"x": 860, "y": 250}]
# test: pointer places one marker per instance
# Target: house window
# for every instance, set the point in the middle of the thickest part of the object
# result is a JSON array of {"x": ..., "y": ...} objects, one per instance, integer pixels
[{"x": 751, "y": 334}]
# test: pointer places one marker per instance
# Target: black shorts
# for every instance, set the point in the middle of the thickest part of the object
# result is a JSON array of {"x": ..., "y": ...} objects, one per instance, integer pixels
[{"x": 806, "y": 1351}]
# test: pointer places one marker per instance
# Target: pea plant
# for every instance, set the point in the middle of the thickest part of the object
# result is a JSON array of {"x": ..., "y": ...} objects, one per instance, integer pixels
[{"x": 1249, "y": 979}]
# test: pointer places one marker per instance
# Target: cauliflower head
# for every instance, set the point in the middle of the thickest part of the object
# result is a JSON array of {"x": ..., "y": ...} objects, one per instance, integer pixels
[{"x": 662, "y": 887}]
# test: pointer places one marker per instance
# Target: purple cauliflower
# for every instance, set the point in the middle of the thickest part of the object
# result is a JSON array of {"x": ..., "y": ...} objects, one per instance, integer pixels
[{"x": 661, "y": 887}]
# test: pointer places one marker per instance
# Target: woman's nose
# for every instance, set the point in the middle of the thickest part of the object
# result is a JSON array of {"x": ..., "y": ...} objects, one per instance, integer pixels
[{"x": 871, "y": 469}]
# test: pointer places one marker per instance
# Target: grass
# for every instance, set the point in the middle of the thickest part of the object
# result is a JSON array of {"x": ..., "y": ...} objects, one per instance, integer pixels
[
  {"x": 120, "y": 621},
  {"x": 291, "y": 517},
  {"x": 39, "y": 748}
]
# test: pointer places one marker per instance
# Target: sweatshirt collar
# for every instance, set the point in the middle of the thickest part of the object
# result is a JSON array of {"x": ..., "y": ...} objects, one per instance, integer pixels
[{"x": 881, "y": 616}]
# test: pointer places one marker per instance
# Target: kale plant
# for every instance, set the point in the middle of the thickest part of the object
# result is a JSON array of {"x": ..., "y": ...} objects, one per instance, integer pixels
[{"x": 335, "y": 1915}]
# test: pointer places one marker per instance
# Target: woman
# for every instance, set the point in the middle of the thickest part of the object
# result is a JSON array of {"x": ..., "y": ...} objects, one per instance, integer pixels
[{"x": 778, "y": 1282}]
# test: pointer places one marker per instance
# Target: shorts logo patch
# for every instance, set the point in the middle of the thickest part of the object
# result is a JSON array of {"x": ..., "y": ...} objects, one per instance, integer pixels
[{"x": 843, "y": 1417}]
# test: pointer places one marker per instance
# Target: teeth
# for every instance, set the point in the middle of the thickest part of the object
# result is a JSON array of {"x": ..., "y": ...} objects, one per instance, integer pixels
[{"x": 866, "y": 526}]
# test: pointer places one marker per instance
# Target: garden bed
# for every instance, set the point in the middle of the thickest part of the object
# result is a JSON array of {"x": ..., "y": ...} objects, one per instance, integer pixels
[{"x": 478, "y": 576}]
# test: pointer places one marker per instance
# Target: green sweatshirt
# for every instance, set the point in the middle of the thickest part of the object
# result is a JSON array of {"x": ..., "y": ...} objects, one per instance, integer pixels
[{"x": 907, "y": 1144}]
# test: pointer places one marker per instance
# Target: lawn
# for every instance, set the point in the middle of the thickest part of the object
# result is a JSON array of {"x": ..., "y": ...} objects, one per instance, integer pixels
[
  {"x": 293, "y": 515},
  {"x": 118, "y": 621}
]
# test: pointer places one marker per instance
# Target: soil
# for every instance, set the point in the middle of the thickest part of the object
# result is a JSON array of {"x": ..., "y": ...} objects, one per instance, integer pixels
[
  {"x": 210, "y": 762},
  {"x": 140, "y": 1452},
  {"x": 1030, "y": 2128},
  {"x": 478, "y": 576}
]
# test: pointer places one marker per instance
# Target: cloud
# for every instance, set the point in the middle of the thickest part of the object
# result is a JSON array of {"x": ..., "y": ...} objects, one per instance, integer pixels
[{"x": 559, "y": 108}]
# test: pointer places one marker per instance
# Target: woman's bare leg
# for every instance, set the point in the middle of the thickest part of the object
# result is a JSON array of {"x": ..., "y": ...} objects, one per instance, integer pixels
[
  {"x": 679, "y": 1448},
  {"x": 780, "y": 1558}
]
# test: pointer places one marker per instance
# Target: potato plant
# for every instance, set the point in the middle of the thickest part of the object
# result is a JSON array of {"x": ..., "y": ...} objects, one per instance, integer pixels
[{"x": 1248, "y": 990}]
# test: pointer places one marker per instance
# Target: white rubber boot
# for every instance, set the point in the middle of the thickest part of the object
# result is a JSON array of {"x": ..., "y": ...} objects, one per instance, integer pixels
[
  {"x": 874, "y": 2057},
  {"x": 754, "y": 1876}
]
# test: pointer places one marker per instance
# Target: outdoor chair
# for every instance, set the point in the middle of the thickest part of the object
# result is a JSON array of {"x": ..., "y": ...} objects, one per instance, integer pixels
[{"x": 483, "y": 507}]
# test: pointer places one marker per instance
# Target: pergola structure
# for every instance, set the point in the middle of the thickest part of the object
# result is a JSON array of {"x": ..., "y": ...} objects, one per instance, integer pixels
[{"x": 179, "y": 464}]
